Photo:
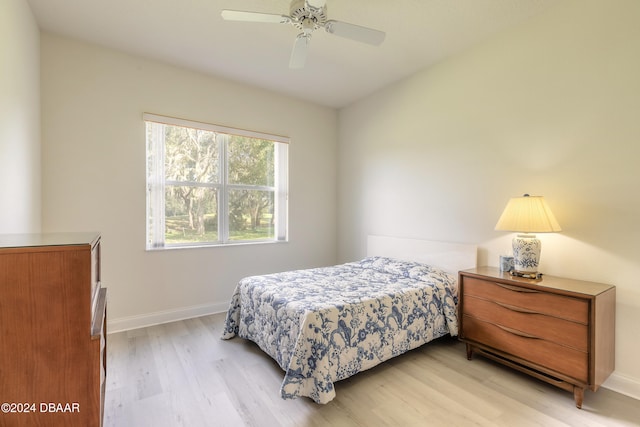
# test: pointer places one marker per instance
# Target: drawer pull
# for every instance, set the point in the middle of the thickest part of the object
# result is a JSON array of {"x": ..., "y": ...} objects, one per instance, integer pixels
[
  {"x": 514, "y": 308},
  {"x": 518, "y": 333},
  {"x": 516, "y": 288}
]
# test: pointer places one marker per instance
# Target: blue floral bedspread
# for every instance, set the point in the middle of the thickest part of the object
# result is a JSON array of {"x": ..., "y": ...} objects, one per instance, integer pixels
[{"x": 323, "y": 325}]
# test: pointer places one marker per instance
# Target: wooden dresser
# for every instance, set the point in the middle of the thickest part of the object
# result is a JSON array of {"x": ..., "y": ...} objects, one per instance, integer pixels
[
  {"x": 52, "y": 330},
  {"x": 561, "y": 331}
]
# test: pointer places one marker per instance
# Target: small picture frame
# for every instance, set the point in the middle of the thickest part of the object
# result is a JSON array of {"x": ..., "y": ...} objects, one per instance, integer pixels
[{"x": 506, "y": 263}]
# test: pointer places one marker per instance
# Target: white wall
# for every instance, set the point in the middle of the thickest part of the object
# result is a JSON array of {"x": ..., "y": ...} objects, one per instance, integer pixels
[
  {"x": 549, "y": 108},
  {"x": 94, "y": 175},
  {"x": 19, "y": 119}
]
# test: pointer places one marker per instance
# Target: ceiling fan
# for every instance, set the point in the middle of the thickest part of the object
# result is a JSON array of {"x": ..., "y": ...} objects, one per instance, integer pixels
[{"x": 308, "y": 16}]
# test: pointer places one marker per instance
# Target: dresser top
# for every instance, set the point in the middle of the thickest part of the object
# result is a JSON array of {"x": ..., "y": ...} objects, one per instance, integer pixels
[
  {"x": 47, "y": 239},
  {"x": 550, "y": 282}
]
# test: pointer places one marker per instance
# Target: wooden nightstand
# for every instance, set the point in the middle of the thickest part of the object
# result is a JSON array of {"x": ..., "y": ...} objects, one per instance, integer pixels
[{"x": 561, "y": 331}]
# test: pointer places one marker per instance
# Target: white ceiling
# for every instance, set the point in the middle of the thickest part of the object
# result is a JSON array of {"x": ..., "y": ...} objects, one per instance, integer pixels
[{"x": 338, "y": 71}]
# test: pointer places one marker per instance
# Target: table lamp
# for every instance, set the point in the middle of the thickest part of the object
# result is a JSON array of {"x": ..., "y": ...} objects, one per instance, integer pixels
[{"x": 525, "y": 215}]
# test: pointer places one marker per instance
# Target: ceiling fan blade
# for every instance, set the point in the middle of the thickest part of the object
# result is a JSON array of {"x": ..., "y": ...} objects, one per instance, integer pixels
[
  {"x": 299, "y": 52},
  {"x": 239, "y": 15},
  {"x": 355, "y": 32}
]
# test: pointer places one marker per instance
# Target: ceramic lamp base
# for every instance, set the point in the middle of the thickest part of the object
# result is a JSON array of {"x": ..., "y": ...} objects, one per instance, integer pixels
[{"x": 526, "y": 253}]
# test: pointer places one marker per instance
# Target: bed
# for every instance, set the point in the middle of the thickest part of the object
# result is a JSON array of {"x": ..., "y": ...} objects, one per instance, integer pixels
[{"x": 326, "y": 324}]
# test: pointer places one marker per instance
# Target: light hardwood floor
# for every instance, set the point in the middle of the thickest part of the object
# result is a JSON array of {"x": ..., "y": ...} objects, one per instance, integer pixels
[{"x": 183, "y": 374}]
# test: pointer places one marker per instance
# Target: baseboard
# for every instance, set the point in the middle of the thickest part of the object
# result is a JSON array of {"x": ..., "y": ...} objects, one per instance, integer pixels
[
  {"x": 166, "y": 316},
  {"x": 623, "y": 385}
]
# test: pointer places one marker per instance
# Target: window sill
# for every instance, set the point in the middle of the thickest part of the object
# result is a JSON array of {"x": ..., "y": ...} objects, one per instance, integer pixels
[{"x": 215, "y": 245}]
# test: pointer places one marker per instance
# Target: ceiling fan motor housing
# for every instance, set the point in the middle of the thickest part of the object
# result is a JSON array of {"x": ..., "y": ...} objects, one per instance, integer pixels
[{"x": 304, "y": 15}]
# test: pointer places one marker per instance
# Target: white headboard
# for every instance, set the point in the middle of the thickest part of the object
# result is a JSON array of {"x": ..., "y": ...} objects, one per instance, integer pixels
[{"x": 451, "y": 257}]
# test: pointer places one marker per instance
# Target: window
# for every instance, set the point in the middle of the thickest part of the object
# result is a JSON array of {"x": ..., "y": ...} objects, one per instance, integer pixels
[{"x": 212, "y": 185}]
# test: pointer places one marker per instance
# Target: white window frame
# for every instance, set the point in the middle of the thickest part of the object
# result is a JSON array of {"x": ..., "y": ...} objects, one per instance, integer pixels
[{"x": 156, "y": 181}]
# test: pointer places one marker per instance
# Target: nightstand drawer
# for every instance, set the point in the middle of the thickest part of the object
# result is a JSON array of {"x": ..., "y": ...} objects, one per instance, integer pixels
[
  {"x": 559, "y": 331},
  {"x": 541, "y": 302},
  {"x": 570, "y": 362}
]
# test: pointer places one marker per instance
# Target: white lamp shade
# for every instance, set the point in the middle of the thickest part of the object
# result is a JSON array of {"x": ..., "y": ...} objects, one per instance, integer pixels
[{"x": 528, "y": 214}]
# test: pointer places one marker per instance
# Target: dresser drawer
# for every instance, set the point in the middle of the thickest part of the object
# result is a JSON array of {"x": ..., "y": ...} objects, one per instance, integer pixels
[
  {"x": 573, "y": 309},
  {"x": 559, "y": 331},
  {"x": 566, "y": 360}
]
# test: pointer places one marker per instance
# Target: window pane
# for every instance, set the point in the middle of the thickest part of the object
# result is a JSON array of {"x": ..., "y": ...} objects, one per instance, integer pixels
[
  {"x": 191, "y": 155},
  {"x": 191, "y": 215},
  {"x": 251, "y": 215},
  {"x": 251, "y": 161}
]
